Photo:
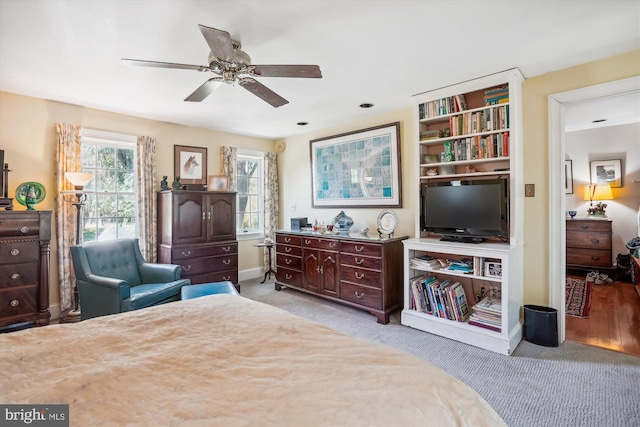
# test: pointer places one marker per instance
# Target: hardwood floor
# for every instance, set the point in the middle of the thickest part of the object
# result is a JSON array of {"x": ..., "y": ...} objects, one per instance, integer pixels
[{"x": 614, "y": 319}]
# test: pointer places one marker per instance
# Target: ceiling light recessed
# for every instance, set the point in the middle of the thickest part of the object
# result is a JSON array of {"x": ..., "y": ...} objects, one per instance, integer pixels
[
  {"x": 366, "y": 105},
  {"x": 302, "y": 123},
  {"x": 599, "y": 121}
]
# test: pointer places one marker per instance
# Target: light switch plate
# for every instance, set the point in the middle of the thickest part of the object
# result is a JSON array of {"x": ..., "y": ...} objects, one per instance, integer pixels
[{"x": 529, "y": 190}]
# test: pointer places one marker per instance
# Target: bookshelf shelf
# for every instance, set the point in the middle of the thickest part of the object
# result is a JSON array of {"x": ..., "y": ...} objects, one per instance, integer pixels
[{"x": 460, "y": 105}]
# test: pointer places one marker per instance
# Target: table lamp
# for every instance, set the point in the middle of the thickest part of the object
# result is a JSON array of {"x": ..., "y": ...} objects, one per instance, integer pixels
[{"x": 597, "y": 192}]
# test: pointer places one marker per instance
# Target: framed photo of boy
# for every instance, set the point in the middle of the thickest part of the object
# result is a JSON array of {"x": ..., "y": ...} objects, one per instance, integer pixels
[
  {"x": 190, "y": 164},
  {"x": 493, "y": 269}
]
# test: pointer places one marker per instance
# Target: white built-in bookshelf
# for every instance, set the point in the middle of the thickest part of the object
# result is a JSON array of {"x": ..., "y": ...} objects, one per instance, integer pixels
[{"x": 467, "y": 131}]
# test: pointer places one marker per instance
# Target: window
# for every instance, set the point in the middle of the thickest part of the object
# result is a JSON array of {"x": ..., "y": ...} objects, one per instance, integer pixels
[
  {"x": 110, "y": 210},
  {"x": 250, "y": 196}
]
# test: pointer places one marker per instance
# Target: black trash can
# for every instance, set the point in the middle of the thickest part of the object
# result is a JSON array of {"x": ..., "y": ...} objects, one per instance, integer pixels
[{"x": 541, "y": 325}]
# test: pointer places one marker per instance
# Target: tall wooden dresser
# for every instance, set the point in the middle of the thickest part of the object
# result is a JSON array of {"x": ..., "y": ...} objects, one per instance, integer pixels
[
  {"x": 24, "y": 267},
  {"x": 589, "y": 244},
  {"x": 197, "y": 230}
]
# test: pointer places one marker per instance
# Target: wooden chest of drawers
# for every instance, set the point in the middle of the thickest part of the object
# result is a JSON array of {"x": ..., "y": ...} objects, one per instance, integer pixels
[
  {"x": 589, "y": 244},
  {"x": 357, "y": 271},
  {"x": 24, "y": 267}
]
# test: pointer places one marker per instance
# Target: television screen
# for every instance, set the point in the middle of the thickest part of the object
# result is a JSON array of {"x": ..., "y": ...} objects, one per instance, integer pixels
[{"x": 467, "y": 209}]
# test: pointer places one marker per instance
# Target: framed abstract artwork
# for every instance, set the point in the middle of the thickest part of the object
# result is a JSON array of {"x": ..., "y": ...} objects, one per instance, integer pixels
[
  {"x": 357, "y": 169},
  {"x": 568, "y": 177}
]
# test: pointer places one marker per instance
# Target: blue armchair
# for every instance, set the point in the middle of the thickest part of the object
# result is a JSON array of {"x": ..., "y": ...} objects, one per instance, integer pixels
[{"x": 112, "y": 277}]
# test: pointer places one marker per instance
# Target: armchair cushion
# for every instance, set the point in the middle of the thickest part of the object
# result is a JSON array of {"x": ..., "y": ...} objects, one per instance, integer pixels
[{"x": 112, "y": 277}]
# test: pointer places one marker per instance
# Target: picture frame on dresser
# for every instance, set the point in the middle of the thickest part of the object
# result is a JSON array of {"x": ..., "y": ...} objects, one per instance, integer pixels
[
  {"x": 605, "y": 172},
  {"x": 357, "y": 169},
  {"x": 190, "y": 164}
]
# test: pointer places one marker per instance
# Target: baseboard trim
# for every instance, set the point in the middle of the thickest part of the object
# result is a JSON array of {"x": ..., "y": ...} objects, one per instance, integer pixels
[{"x": 250, "y": 273}]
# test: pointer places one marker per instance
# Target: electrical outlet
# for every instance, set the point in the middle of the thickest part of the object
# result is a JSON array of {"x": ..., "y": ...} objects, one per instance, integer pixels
[
  {"x": 294, "y": 207},
  {"x": 529, "y": 190}
]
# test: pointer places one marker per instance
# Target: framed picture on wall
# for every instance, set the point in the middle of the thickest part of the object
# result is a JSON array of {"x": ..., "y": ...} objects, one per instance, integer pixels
[
  {"x": 606, "y": 172},
  {"x": 568, "y": 177},
  {"x": 190, "y": 164}
]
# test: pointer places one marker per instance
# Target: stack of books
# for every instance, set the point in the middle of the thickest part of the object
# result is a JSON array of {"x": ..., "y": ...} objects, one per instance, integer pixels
[
  {"x": 439, "y": 298},
  {"x": 496, "y": 95},
  {"x": 487, "y": 314},
  {"x": 424, "y": 262},
  {"x": 461, "y": 266},
  {"x": 430, "y": 134}
]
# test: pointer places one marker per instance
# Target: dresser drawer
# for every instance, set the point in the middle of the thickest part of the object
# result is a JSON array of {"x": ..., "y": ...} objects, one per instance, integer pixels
[
  {"x": 19, "y": 251},
  {"x": 205, "y": 265},
  {"x": 203, "y": 251},
  {"x": 288, "y": 276},
  {"x": 16, "y": 301},
  {"x": 363, "y": 295},
  {"x": 318, "y": 243},
  {"x": 16, "y": 226},
  {"x": 586, "y": 225},
  {"x": 589, "y": 257},
  {"x": 218, "y": 276},
  {"x": 288, "y": 261},
  {"x": 588, "y": 240},
  {"x": 289, "y": 250},
  {"x": 358, "y": 248},
  {"x": 12, "y": 275},
  {"x": 288, "y": 239},
  {"x": 361, "y": 276},
  {"x": 360, "y": 261}
]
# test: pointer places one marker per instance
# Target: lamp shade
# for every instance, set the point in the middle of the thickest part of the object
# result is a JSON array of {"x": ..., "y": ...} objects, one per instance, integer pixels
[
  {"x": 598, "y": 192},
  {"x": 78, "y": 179}
]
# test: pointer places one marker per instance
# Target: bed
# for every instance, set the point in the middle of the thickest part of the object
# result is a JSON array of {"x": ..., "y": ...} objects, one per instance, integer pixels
[{"x": 225, "y": 360}]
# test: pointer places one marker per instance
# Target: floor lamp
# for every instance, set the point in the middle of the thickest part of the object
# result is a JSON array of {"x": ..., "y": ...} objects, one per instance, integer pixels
[{"x": 78, "y": 180}]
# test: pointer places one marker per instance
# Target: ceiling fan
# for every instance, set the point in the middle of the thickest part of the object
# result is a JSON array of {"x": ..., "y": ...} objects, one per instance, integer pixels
[{"x": 228, "y": 61}]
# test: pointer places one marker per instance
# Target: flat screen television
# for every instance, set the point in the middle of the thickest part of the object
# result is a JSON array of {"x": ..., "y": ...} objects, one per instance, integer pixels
[{"x": 467, "y": 210}]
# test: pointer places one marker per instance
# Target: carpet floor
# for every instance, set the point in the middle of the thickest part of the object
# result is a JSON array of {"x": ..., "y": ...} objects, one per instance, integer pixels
[
  {"x": 578, "y": 298},
  {"x": 570, "y": 385}
]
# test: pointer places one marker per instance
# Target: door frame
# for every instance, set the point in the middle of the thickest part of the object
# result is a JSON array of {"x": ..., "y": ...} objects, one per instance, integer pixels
[{"x": 557, "y": 206}]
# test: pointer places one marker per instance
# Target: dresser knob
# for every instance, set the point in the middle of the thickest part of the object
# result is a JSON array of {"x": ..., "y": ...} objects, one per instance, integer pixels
[
  {"x": 595, "y": 241},
  {"x": 24, "y": 230},
  {"x": 226, "y": 277},
  {"x": 226, "y": 261},
  {"x": 15, "y": 276},
  {"x": 186, "y": 253},
  {"x": 15, "y": 252},
  {"x": 359, "y": 276},
  {"x": 186, "y": 267},
  {"x": 226, "y": 248},
  {"x": 288, "y": 276},
  {"x": 15, "y": 303},
  {"x": 359, "y": 295},
  {"x": 287, "y": 261},
  {"x": 595, "y": 258},
  {"x": 359, "y": 249},
  {"x": 359, "y": 261}
]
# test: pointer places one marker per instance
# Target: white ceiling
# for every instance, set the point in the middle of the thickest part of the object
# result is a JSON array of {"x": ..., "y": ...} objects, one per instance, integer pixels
[{"x": 379, "y": 52}]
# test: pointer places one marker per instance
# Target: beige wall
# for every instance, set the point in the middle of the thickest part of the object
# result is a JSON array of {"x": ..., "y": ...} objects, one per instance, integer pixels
[
  {"x": 535, "y": 92},
  {"x": 27, "y": 136}
]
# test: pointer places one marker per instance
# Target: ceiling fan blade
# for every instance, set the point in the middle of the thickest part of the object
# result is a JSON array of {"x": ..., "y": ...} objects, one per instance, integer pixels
[
  {"x": 302, "y": 71},
  {"x": 219, "y": 42},
  {"x": 262, "y": 92},
  {"x": 155, "y": 64},
  {"x": 205, "y": 90}
]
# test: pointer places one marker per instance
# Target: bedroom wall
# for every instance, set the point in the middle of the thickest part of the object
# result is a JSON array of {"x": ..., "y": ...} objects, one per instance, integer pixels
[
  {"x": 27, "y": 135},
  {"x": 611, "y": 142}
]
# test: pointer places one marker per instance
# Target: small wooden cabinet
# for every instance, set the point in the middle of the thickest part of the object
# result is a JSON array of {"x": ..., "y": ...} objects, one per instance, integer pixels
[
  {"x": 588, "y": 243},
  {"x": 197, "y": 230},
  {"x": 24, "y": 267},
  {"x": 361, "y": 272}
]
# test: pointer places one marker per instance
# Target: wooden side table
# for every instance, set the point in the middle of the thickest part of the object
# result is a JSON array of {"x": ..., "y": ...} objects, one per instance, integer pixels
[{"x": 270, "y": 269}]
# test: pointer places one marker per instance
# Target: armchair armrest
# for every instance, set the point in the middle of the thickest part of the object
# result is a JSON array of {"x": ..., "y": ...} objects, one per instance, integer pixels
[
  {"x": 101, "y": 295},
  {"x": 159, "y": 273}
]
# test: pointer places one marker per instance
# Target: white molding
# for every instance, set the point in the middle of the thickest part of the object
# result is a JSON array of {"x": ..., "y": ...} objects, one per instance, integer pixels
[
  {"x": 556, "y": 202},
  {"x": 250, "y": 273}
]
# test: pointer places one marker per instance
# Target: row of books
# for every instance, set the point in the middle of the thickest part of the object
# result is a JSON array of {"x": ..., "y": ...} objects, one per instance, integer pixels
[
  {"x": 442, "y": 107},
  {"x": 477, "y": 147},
  {"x": 427, "y": 262},
  {"x": 487, "y": 314},
  {"x": 491, "y": 119},
  {"x": 497, "y": 95},
  {"x": 440, "y": 298}
]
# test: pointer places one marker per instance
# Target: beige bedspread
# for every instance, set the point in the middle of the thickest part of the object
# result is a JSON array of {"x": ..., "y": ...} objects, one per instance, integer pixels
[{"x": 225, "y": 360}]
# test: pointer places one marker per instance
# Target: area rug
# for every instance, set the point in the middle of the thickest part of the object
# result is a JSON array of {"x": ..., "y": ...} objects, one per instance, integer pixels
[{"x": 578, "y": 298}]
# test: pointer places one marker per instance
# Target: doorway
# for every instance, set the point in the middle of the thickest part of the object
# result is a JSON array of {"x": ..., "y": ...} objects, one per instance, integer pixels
[{"x": 557, "y": 207}]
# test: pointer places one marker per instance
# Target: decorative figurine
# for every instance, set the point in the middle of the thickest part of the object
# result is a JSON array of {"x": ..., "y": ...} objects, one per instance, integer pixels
[
  {"x": 164, "y": 185},
  {"x": 176, "y": 184},
  {"x": 342, "y": 223}
]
